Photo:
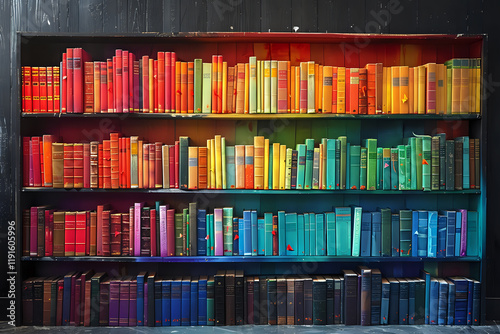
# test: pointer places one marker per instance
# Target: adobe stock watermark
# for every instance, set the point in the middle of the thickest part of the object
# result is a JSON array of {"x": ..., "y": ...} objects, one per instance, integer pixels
[{"x": 11, "y": 272}]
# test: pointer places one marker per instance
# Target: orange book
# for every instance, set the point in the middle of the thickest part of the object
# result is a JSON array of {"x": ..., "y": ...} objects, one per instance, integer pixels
[
  {"x": 127, "y": 163},
  {"x": 235, "y": 82},
  {"x": 304, "y": 68},
  {"x": 411, "y": 85},
  {"x": 215, "y": 62},
  {"x": 106, "y": 150},
  {"x": 114, "y": 155},
  {"x": 193, "y": 167},
  {"x": 224, "y": 88},
  {"x": 440, "y": 89},
  {"x": 42, "y": 78},
  {"x": 334, "y": 89},
  {"x": 291, "y": 82},
  {"x": 145, "y": 85},
  {"x": 161, "y": 82},
  {"x": 50, "y": 90},
  {"x": 230, "y": 89},
  {"x": 68, "y": 166},
  {"x": 88, "y": 100},
  {"x": 415, "y": 89},
  {"x": 363, "y": 92},
  {"x": 240, "y": 87},
  {"x": 258, "y": 160},
  {"x": 246, "y": 88},
  {"x": 379, "y": 83},
  {"x": 404, "y": 90},
  {"x": 173, "y": 78},
  {"x": 353, "y": 91},
  {"x": 202, "y": 167},
  {"x": 140, "y": 163},
  {"x": 326, "y": 101},
  {"x": 297, "y": 89},
  {"x": 209, "y": 161},
  {"x": 239, "y": 161},
  {"x": 97, "y": 86},
  {"x": 121, "y": 168},
  {"x": 219, "y": 84},
  {"x": 145, "y": 166},
  {"x": 421, "y": 80},
  {"x": 178, "y": 87},
  {"x": 371, "y": 88},
  {"x": 341, "y": 90},
  {"x": 395, "y": 91},
  {"x": 289, "y": 86},
  {"x": 151, "y": 86},
  {"x": 249, "y": 167},
  {"x": 282, "y": 87},
  {"x": 78, "y": 165},
  {"x": 184, "y": 87},
  {"x": 47, "y": 141},
  {"x": 152, "y": 165}
]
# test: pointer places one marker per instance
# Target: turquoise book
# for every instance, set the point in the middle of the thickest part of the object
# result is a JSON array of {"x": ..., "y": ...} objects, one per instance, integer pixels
[
  {"x": 354, "y": 175},
  {"x": 386, "y": 169},
  {"x": 348, "y": 166},
  {"x": 198, "y": 78},
  {"x": 385, "y": 232},
  {"x": 408, "y": 168},
  {"x": 261, "y": 232},
  {"x": 376, "y": 241},
  {"x": 343, "y": 235},
  {"x": 268, "y": 234},
  {"x": 300, "y": 235},
  {"x": 432, "y": 234},
  {"x": 356, "y": 231},
  {"x": 427, "y": 278},
  {"x": 309, "y": 164},
  {"x": 413, "y": 169},
  {"x": 465, "y": 163},
  {"x": 254, "y": 231},
  {"x": 472, "y": 234},
  {"x": 312, "y": 234},
  {"x": 426, "y": 163},
  {"x": 380, "y": 168},
  {"x": 307, "y": 238},
  {"x": 281, "y": 233},
  {"x": 320, "y": 235},
  {"x": 343, "y": 161},
  {"x": 330, "y": 233},
  {"x": 402, "y": 167},
  {"x": 371, "y": 166},
  {"x": 270, "y": 184},
  {"x": 394, "y": 169},
  {"x": 362, "y": 168},
  {"x": 418, "y": 161},
  {"x": 330, "y": 163},
  {"x": 230, "y": 168},
  {"x": 301, "y": 165},
  {"x": 337, "y": 164},
  {"x": 414, "y": 233},
  {"x": 212, "y": 234},
  {"x": 291, "y": 234},
  {"x": 227, "y": 230}
]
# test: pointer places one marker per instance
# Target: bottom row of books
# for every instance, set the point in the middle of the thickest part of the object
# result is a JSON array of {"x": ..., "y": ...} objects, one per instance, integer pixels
[{"x": 360, "y": 297}]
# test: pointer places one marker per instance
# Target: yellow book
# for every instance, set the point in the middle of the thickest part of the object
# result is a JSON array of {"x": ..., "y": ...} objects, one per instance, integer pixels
[
  {"x": 464, "y": 88},
  {"x": 218, "y": 162},
  {"x": 209, "y": 164},
  {"x": 288, "y": 169},
  {"x": 440, "y": 89},
  {"x": 262, "y": 86},
  {"x": 258, "y": 88},
  {"x": 311, "y": 92},
  {"x": 266, "y": 163},
  {"x": 478, "y": 86},
  {"x": 395, "y": 90},
  {"x": 267, "y": 86},
  {"x": 326, "y": 103},
  {"x": 318, "y": 70},
  {"x": 415, "y": 90},
  {"x": 404, "y": 90},
  {"x": 276, "y": 165},
  {"x": 341, "y": 90},
  {"x": 282, "y": 166},
  {"x": 471, "y": 85},
  {"x": 224, "y": 88},
  {"x": 421, "y": 89},
  {"x": 258, "y": 162},
  {"x": 384, "y": 91},
  {"x": 274, "y": 86},
  {"x": 411, "y": 106},
  {"x": 252, "y": 94},
  {"x": 212, "y": 164},
  {"x": 247, "y": 83},
  {"x": 151, "y": 81}
]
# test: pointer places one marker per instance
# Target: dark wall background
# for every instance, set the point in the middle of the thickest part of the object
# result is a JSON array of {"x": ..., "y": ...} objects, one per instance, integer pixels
[{"x": 117, "y": 16}]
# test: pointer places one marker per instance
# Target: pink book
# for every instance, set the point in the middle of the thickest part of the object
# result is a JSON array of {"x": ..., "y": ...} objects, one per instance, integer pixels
[
  {"x": 31, "y": 176},
  {"x": 172, "y": 81},
  {"x": 49, "y": 231},
  {"x": 69, "y": 80},
  {"x": 168, "y": 82},
  {"x": 145, "y": 84},
  {"x": 119, "y": 81},
  {"x": 86, "y": 165},
  {"x": 33, "y": 231},
  {"x": 171, "y": 165},
  {"x": 131, "y": 231},
  {"x": 26, "y": 161},
  {"x": 125, "y": 71},
  {"x": 170, "y": 232},
  {"x": 137, "y": 107},
  {"x": 104, "y": 86},
  {"x": 64, "y": 82},
  {"x": 80, "y": 233},
  {"x": 131, "y": 60},
  {"x": 110, "y": 87},
  {"x": 137, "y": 228},
  {"x": 163, "y": 230},
  {"x": 219, "y": 241},
  {"x": 35, "y": 150},
  {"x": 152, "y": 225},
  {"x": 100, "y": 209}
]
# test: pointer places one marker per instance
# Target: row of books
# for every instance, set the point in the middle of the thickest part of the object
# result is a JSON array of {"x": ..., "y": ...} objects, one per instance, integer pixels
[
  {"x": 161, "y": 231},
  {"x": 123, "y": 84},
  {"x": 361, "y": 297},
  {"x": 424, "y": 163}
]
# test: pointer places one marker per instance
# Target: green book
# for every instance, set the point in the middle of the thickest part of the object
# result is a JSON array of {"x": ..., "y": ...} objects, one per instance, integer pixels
[
  {"x": 371, "y": 165},
  {"x": 223, "y": 156},
  {"x": 394, "y": 169},
  {"x": 442, "y": 160},
  {"x": 252, "y": 93},
  {"x": 227, "y": 230},
  {"x": 386, "y": 169},
  {"x": 435, "y": 163},
  {"x": 178, "y": 221},
  {"x": 413, "y": 170},
  {"x": 193, "y": 229},
  {"x": 405, "y": 232},
  {"x": 408, "y": 168},
  {"x": 309, "y": 164},
  {"x": 343, "y": 161},
  {"x": 386, "y": 218},
  {"x": 362, "y": 168},
  {"x": 185, "y": 231},
  {"x": 343, "y": 235},
  {"x": 355, "y": 173},
  {"x": 402, "y": 167},
  {"x": 356, "y": 233},
  {"x": 206, "y": 97},
  {"x": 210, "y": 301},
  {"x": 198, "y": 78},
  {"x": 212, "y": 234},
  {"x": 183, "y": 162},
  {"x": 380, "y": 167},
  {"x": 418, "y": 161},
  {"x": 426, "y": 163}
]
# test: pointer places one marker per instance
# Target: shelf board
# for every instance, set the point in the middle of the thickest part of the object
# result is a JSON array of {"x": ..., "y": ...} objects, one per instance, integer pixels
[
  {"x": 189, "y": 259},
  {"x": 249, "y": 116}
]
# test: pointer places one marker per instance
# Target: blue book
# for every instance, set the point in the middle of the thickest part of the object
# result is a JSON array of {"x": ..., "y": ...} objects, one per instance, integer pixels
[
  {"x": 422, "y": 233},
  {"x": 412, "y": 141},
  {"x": 432, "y": 234},
  {"x": 461, "y": 298},
  {"x": 414, "y": 233},
  {"x": 348, "y": 166},
  {"x": 404, "y": 301},
  {"x": 470, "y": 300},
  {"x": 158, "y": 294},
  {"x": 241, "y": 239},
  {"x": 376, "y": 296},
  {"x": 330, "y": 163},
  {"x": 254, "y": 231},
  {"x": 337, "y": 163},
  {"x": 312, "y": 234},
  {"x": 281, "y": 233},
  {"x": 230, "y": 168},
  {"x": 202, "y": 300},
  {"x": 395, "y": 234},
  {"x": 472, "y": 234},
  {"x": 66, "y": 298},
  {"x": 386, "y": 169},
  {"x": 427, "y": 278},
  {"x": 441, "y": 236},
  {"x": 307, "y": 233},
  {"x": 458, "y": 232},
  {"x": 394, "y": 301},
  {"x": 394, "y": 169},
  {"x": 411, "y": 300},
  {"x": 476, "y": 303},
  {"x": 301, "y": 165},
  {"x": 450, "y": 233},
  {"x": 175, "y": 302},
  {"x": 194, "y": 302},
  {"x": 309, "y": 163},
  {"x": 330, "y": 233},
  {"x": 356, "y": 231},
  {"x": 380, "y": 168},
  {"x": 343, "y": 236},
  {"x": 165, "y": 302},
  {"x": 261, "y": 232},
  {"x": 433, "y": 301},
  {"x": 185, "y": 301},
  {"x": 140, "y": 298},
  {"x": 247, "y": 235},
  {"x": 366, "y": 233},
  {"x": 290, "y": 234},
  {"x": 465, "y": 162},
  {"x": 384, "y": 303},
  {"x": 450, "y": 320},
  {"x": 268, "y": 234},
  {"x": 300, "y": 235},
  {"x": 376, "y": 241},
  {"x": 270, "y": 184},
  {"x": 320, "y": 234},
  {"x": 202, "y": 232},
  {"x": 236, "y": 236},
  {"x": 443, "y": 302}
]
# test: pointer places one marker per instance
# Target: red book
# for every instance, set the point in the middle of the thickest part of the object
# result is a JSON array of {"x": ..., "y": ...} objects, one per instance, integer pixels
[
  {"x": 202, "y": 167},
  {"x": 64, "y": 83},
  {"x": 140, "y": 163},
  {"x": 249, "y": 182},
  {"x": 69, "y": 233},
  {"x": 35, "y": 152},
  {"x": 275, "y": 236},
  {"x": 106, "y": 157},
  {"x": 173, "y": 92},
  {"x": 171, "y": 166},
  {"x": 125, "y": 74},
  {"x": 26, "y": 161},
  {"x": 100, "y": 210},
  {"x": 103, "y": 80},
  {"x": 31, "y": 177},
  {"x": 176, "y": 164},
  {"x": 77, "y": 165},
  {"x": 42, "y": 171},
  {"x": 158, "y": 166},
  {"x": 88, "y": 97},
  {"x": 49, "y": 232},
  {"x": 42, "y": 83},
  {"x": 80, "y": 56},
  {"x": 35, "y": 89},
  {"x": 50, "y": 90},
  {"x": 125, "y": 234},
  {"x": 152, "y": 165},
  {"x": 87, "y": 234},
  {"x": 136, "y": 86},
  {"x": 155, "y": 85},
  {"x": 161, "y": 82},
  {"x": 110, "y": 87},
  {"x": 69, "y": 81},
  {"x": 353, "y": 90},
  {"x": 93, "y": 234},
  {"x": 86, "y": 165},
  {"x": 106, "y": 249},
  {"x": 121, "y": 155},
  {"x": 363, "y": 92},
  {"x": 131, "y": 93},
  {"x": 145, "y": 166},
  {"x": 28, "y": 103},
  {"x": 97, "y": 86},
  {"x": 127, "y": 162},
  {"x": 116, "y": 234},
  {"x": 23, "y": 84},
  {"x": 56, "y": 83},
  {"x": 119, "y": 80},
  {"x": 114, "y": 155},
  {"x": 152, "y": 222},
  {"x": 170, "y": 232},
  {"x": 219, "y": 84},
  {"x": 168, "y": 83},
  {"x": 100, "y": 166},
  {"x": 283, "y": 87},
  {"x": 80, "y": 233},
  {"x": 145, "y": 84},
  {"x": 190, "y": 87},
  {"x": 33, "y": 246}
]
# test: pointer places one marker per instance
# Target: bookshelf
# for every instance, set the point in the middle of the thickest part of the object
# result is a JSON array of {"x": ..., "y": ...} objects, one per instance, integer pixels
[{"x": 349, "y": 50}]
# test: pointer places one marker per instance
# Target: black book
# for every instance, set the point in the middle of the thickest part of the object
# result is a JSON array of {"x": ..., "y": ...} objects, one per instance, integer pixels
[
  {"x": 95, "y": 302},
  {"x": 151, "y": 299},
  {"x": 337, "y": 299},
  {"x": 342, "y": 298},
  {"x": 219, "y": 298},
  {"x": 411, "y": 301},
  {"x": 403, "y": 301},
  {"x": 256, "y": 300},
  {"x": 271, "y": 297},
  {"x": 376, "y": 297},
  {"x": 211, "y": 299},
  {"x": 450, "y": 164},
  {"x": 27, "y": 297},
  {"x": 53, "y": 301},
  {"x": 145, "y": 232},
  {"x": 365, "y": 296},
  {"x": 290, "y": 301},
  {"x": 281, "y": 303},
  {"x": 249, "y": 300},
  {"x": 263, "y": 301},
  {"x": 459, "y": 144},
  {"x": 239, "y": 297},
  {"x": 38, "y": 301},
  {"x": 329, "y": 300},
  {"x": 351, "y": 297},
  {"x": 393, "y": 301},
  {"x": 319, "y": 300},
  {"x": 157, "y": 302},
  {"x": 230, "y": 298},
  {"x": 299, "y": 301},
  {"x": 183, "y": 162},
  {"x": 308, "y": 301},
  {"x": 193, "y": 229}
]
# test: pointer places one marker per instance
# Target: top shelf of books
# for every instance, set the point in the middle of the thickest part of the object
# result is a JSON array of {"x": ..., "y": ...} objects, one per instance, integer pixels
[{"x": 342, "y": 75}]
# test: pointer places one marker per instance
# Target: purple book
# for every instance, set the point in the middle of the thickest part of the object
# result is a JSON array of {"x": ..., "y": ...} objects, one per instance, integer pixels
[
  {"x": 145, "y": 303},
  {"x": 219, "y": 242},
  {"x": 163, "y": 230},
  {"x": 137, "y": 228},
  {"x": 124, "y": 301},
  {"x": 114, "y": 301},
  {"x": 74, "y": 303},
  {"x": 75, "y": 314},
  {"x": 132, "y": 312},
  {"x": 104, "y": 302},
  {"x": 463, "y": 234}
]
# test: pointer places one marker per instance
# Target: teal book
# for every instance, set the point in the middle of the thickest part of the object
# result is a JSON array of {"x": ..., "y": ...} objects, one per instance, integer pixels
[
  {"x": 300, "y": 235},
  {"x": 254, "y": 231},
  {"x": 312, "y": 234},
  {"x": 380, "y": 168},
  {"x": 343, "y": 236},
  {"x": 386, "y": 169},
  {"x": 405, "y": 232},
  {"x": 301, "y": 165},
  {"x": 268, "y": 234},
  {"x": 261, "y": 232},
  {"x": 432, "y": 234},
  {"x": 465, "y": 163},
  {"x": 408, "y": 168},
  {"x": 427, "y": 278},
  {"x": 198, "y": 77},
  {"x": 442, "y": 160},
  {"x": 356, "y": 231},
  {"x": 385, "y": 231},
  {"x": 362, "y": 168},
  {"x": 418, "y": 161},
  {"x": 354, "y": 175},
  {"x": 472, "y": 234},
  {"x": 426, "y": 163},
  {"x": 230, "y": 168},
  {"x": 330, "y": 164},
  {"x": 270, "y": 185},
  {"x": 371, "y": 166},
  {"x": 320, "y": 234},
  {"x": 413, "y": 169},
  {"x": 394, "y": 234},
  {"x": 308, "y": 174},
  {"x": 337, "y": 164},
  {"x": 330, "y": 233},
  {"x": 402, "y": 167},
  {"x": 307, "y": 238},
  {"x": 348, "y": 166},
  {"x": 394, "y": 169},
  {"x": 291, "y": 234},
  {"x": 281, "y": 233},
  {"x": 227, "y": 226},
  {"x": 343, "y": 162}
]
